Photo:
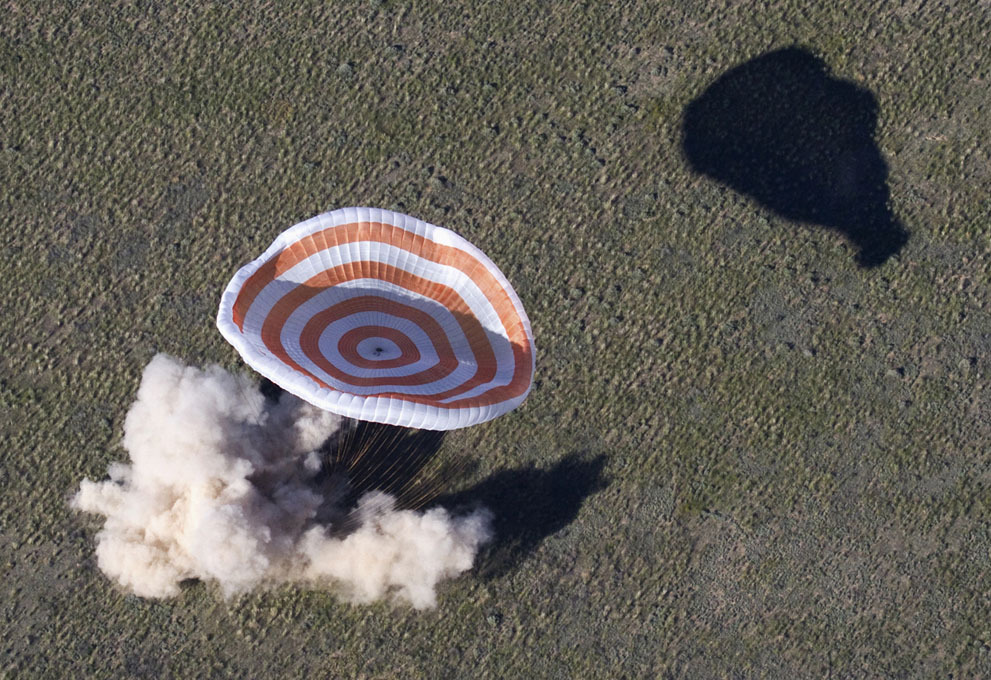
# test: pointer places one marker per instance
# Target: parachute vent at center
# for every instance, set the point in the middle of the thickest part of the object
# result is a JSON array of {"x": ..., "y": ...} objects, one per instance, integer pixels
[{"x": 380, "y": 316}]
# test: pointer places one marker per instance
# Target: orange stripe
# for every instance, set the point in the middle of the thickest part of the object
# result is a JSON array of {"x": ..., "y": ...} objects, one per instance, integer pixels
[
  {"x": 309, "y": 342},
  {"x": 426, "y": 249},
  {"x": 485, "y": 366},
  {"x": 378, "y": 232},
  {"x": 347, "y": 346}
]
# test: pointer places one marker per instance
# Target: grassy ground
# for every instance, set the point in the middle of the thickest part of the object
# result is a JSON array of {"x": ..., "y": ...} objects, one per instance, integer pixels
[{"x": 795, "y": 472}]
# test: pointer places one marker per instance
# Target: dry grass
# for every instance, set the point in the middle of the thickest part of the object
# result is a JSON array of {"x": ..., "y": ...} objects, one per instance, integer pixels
[{"x": 796, "y": 472}]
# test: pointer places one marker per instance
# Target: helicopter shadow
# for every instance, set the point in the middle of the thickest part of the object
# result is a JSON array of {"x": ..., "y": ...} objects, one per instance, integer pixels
[{"x": 780, "y": 129}]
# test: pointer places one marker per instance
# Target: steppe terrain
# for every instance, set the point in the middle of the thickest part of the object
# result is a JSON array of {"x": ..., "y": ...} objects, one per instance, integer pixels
[{"x": 752, "y": 450}]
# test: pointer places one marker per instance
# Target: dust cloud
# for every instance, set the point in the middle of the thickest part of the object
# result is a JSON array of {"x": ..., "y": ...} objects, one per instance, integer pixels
[{"x": 226, "y": 486}]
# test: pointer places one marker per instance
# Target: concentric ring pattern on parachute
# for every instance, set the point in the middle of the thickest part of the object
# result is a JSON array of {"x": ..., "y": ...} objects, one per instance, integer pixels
[{"x": 380, "y": 316}]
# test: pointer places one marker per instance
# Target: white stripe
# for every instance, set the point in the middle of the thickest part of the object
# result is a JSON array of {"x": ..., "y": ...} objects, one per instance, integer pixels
[
  {"x": 470, "y": 293},
  {"x": 331, "y": 336},
  {"x": 396, "y": 411},
  {"x": 429, "y": 232},
  {"x": 291, "y": 331}
]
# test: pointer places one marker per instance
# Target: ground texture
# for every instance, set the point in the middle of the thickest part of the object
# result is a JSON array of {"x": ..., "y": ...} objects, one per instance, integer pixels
[{"x": 746, "y": 453}]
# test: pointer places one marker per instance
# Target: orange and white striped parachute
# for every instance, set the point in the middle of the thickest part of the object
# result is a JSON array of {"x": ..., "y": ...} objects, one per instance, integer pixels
[{"x": 380, "y": 316}]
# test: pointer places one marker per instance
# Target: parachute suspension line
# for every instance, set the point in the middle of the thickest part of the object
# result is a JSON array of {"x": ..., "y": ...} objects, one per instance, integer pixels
[{"x": 390, "y": 322}]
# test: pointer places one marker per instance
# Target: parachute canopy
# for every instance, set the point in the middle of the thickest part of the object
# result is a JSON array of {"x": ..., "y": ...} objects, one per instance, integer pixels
[{"x": 380, "y": 316}]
